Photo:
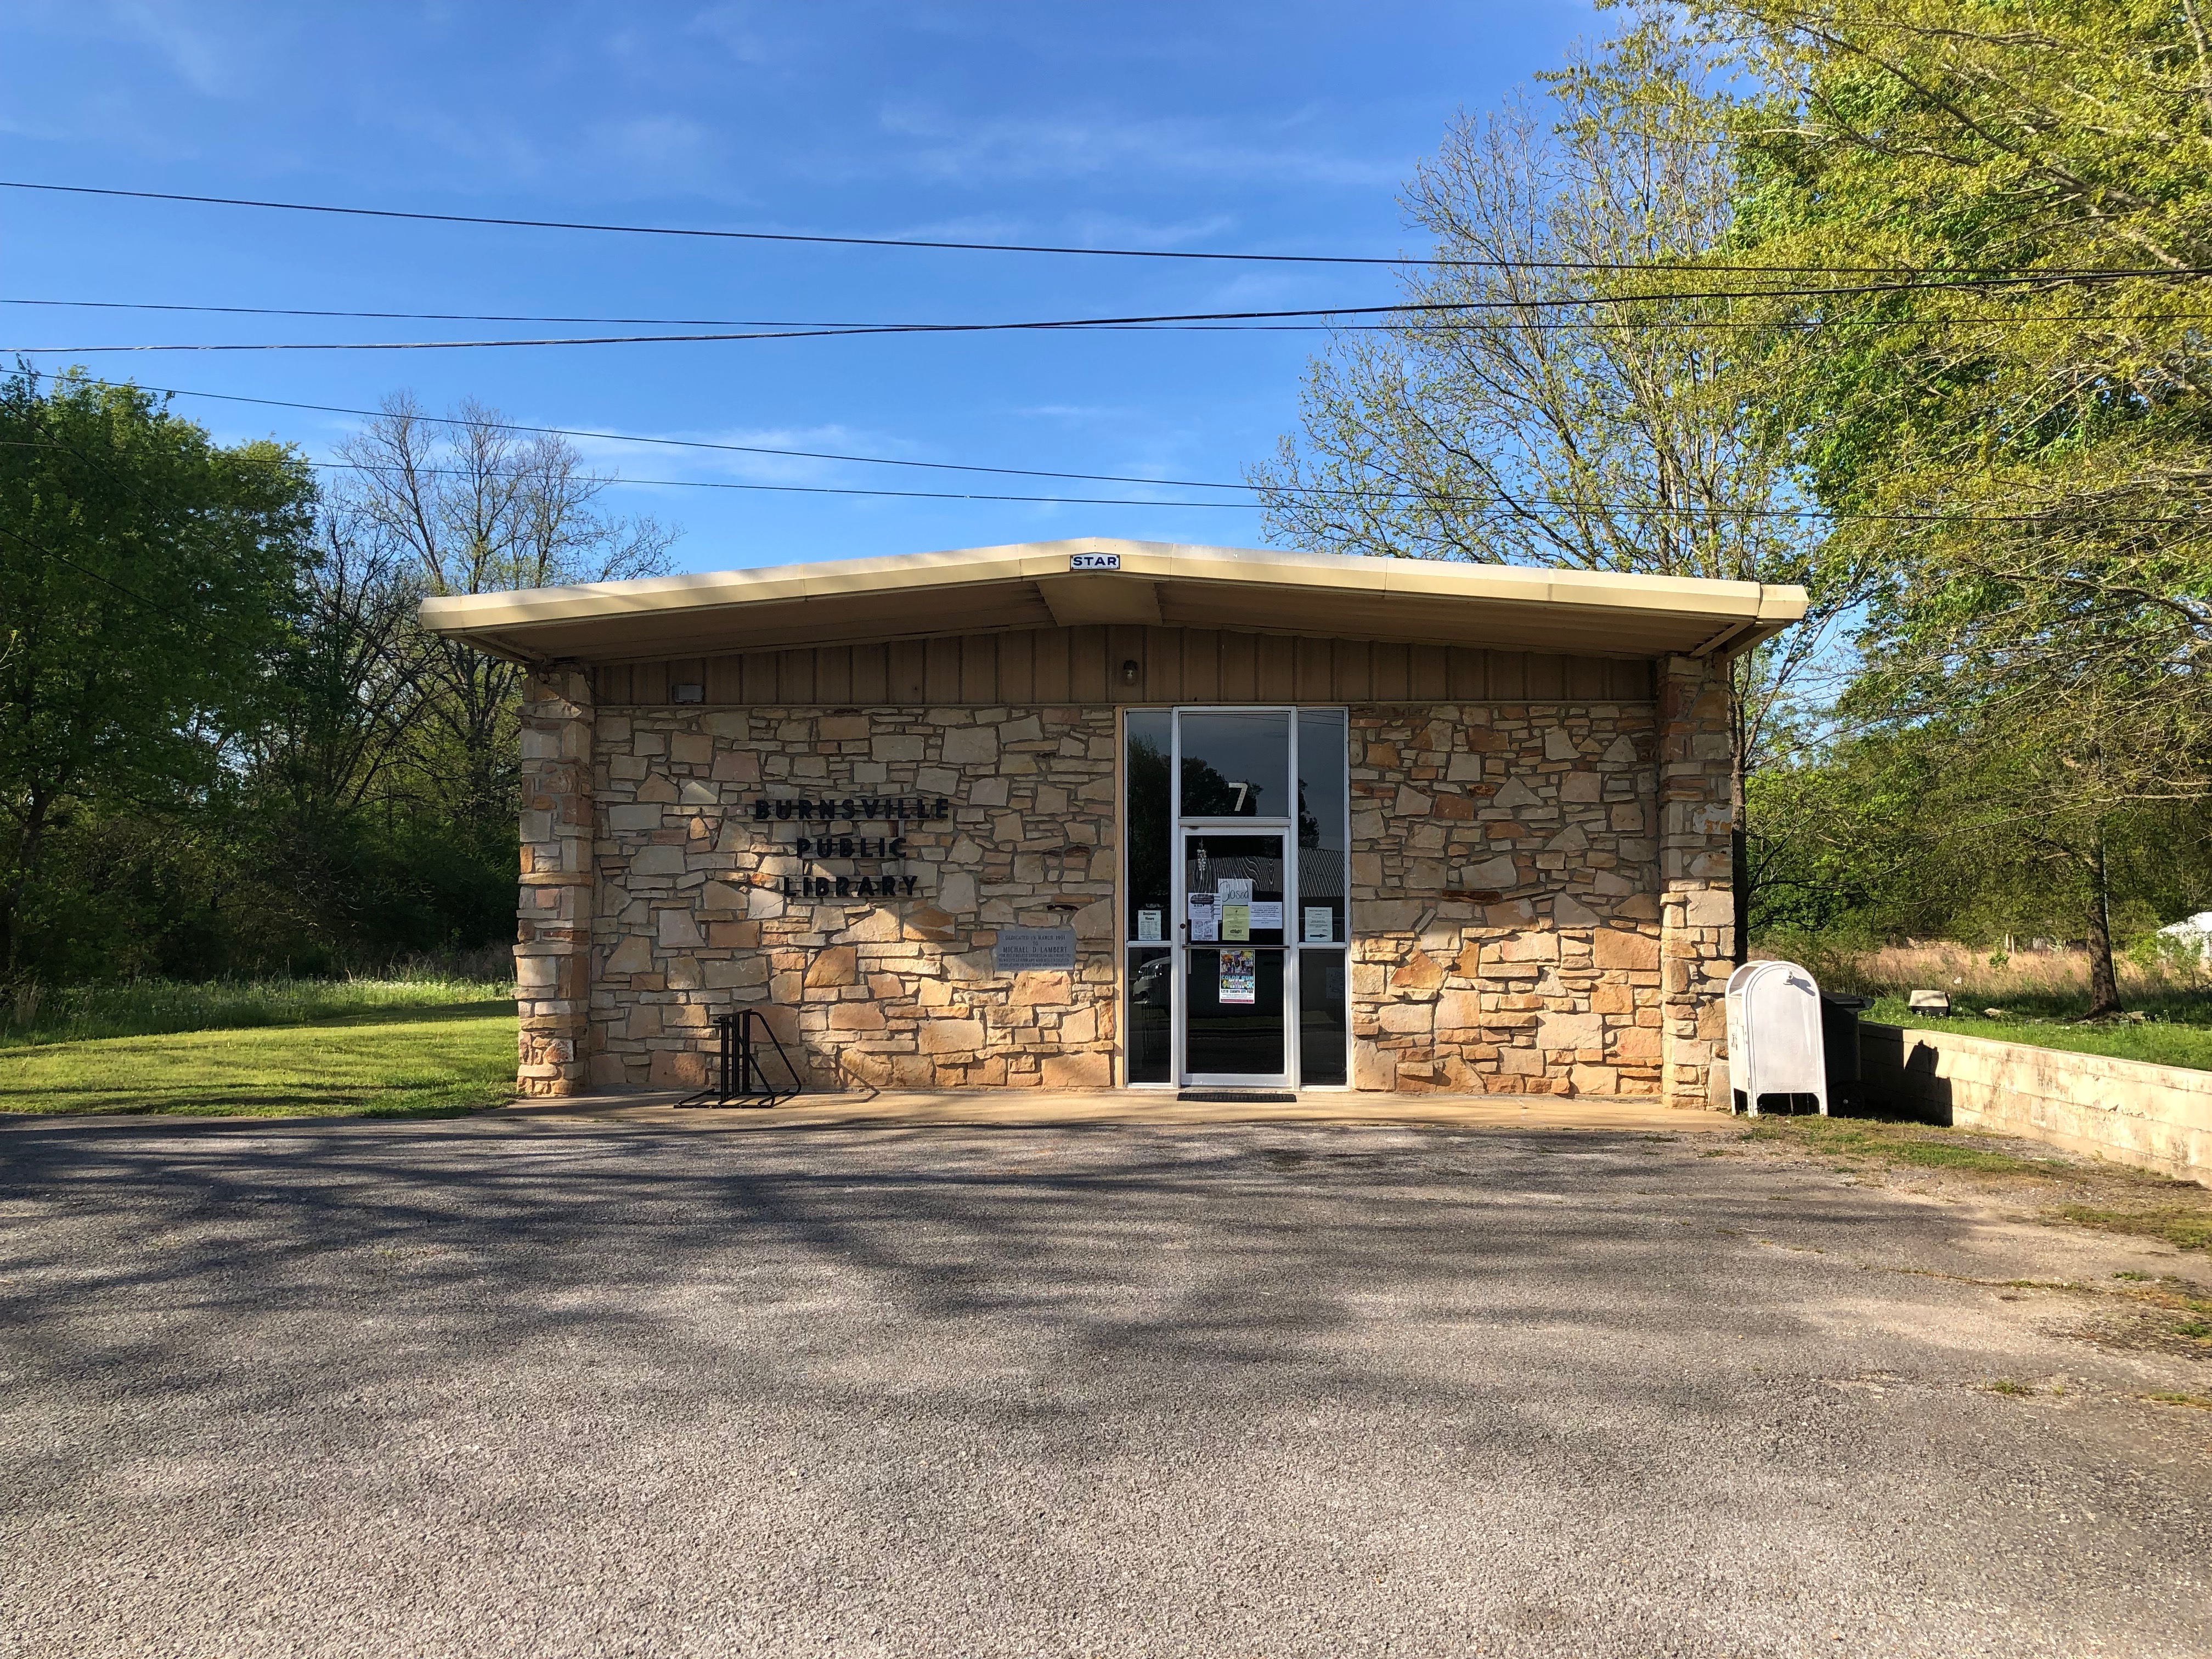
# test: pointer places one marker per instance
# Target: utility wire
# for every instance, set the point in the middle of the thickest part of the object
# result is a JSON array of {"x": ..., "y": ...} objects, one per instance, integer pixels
[
  {"x": 1030, "y": 248},
  {"x": 801, "y": 332},
  {"x": 688, "y": 443},
  {"x": 812, "y": 490},
  {"x": 1498, "y": 505},
  {"x": 1078, "y": 324},
  {"x": 2002, "y": 317},
  {"x": 1010, "y": 471},
  {"x": 888, "y": 241},
  {"x": 443, "y": 316}
]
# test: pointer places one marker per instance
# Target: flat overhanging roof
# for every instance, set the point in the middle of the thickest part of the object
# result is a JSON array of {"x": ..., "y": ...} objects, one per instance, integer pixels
[{"x": 1160, "y": 583}]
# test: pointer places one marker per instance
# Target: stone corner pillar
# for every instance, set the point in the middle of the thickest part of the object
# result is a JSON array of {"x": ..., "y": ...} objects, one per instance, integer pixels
[
  {"x": 553, "y": 929},
  {"x": 1696, "y": 901}
]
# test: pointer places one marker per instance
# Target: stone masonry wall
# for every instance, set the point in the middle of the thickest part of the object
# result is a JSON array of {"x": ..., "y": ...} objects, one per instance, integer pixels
[
  {"x": 553, "y": 915},
  {"x": 1506, "y": 899},
  {"x": 690, "y": 919},
  {"x": 1696, "y": 878}
]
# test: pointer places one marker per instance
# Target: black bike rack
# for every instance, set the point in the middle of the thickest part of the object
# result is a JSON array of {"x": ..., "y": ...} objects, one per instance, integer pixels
[{"x": 740, "y": 1081}]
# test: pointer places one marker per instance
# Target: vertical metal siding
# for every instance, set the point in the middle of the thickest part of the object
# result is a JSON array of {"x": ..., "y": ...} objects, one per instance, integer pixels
[{"x": 1083, "y": 665}]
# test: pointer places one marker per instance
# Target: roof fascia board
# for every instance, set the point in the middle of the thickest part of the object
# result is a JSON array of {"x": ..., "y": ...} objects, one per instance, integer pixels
[{"x": 502, "y": 621}]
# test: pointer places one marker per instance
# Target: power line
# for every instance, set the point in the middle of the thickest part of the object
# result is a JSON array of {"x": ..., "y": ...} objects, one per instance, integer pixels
[
  {"x": 826, "y": 490},
  {"x": 852, "y": 241},
  {"x": 723, "y": 235},
  {"x": 1498, "y": 505},
  {"x": 1011, "y": 472},
  {"x": 688, "y": 443},
  {"x": 1479, "y": 506},
  {"x": 2002, "y": 317},
  {"x": 438, "y": 316},
  {"x": 800, "y": 332},
  {"x": 1030, "y": 248},
  {"x": 1078, "y": 324}
]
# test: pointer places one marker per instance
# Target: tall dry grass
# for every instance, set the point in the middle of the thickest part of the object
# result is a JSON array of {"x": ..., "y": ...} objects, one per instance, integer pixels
[{"x": 2171, "y": 983}]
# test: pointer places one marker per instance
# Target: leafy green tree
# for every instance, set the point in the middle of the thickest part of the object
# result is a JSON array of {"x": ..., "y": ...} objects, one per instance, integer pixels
[
  {"x": 2033, "y": 458},
  {"x": 146, "y": 582},
  {"x": 1973, "y": 826},
  {"x": 1591, "y": 399}
]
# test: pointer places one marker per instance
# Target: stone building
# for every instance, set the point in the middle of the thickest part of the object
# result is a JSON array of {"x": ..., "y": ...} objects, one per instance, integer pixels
[{"x": 1095, "y": 814}]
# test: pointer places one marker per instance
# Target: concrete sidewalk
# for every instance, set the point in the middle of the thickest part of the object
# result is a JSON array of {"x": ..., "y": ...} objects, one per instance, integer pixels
[{"x": 1028, "y": 1108}]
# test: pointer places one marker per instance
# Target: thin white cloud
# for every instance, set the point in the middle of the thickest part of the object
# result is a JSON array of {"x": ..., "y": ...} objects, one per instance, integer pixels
[
  {"x": 489, "y": 143},
  {"x": 1073, "y": 412},
  {"x": 208, "y": 64},
  {"x": 1077, "y": 230},
  {"x": 942, "y": 147},
  {"x": 734, "y": 28},
  {"x": 634, "y": 460},
  {"x": 655, "y": 141}
]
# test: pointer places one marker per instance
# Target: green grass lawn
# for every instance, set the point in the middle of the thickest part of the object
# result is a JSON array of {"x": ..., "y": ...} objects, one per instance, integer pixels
[
  {"x": 2161, "y": 1040},
  {"x": 378, "y": 1062},
  {"x": 71, "y": 1013}
]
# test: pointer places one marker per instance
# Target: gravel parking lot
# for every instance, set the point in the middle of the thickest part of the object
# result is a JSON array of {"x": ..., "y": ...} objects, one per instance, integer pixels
[{"x": 520, "y": 1386}]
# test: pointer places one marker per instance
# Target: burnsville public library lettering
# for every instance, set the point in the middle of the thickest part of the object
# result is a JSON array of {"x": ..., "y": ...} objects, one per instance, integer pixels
[{"x": 1097, "y": 814}]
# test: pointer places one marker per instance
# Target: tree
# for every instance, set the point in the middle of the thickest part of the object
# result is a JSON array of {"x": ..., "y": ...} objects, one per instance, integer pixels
[
  {"x": 1975, "y": 825},
  {"x": 1585, "y": 402},
  {"x": 351, "y": 686},
  {"x": 347, "y": 700},
  {"x": 2009, "y": 202},
  {"x": 145, "y": 578},
  {"x": 470, "y": 505}
]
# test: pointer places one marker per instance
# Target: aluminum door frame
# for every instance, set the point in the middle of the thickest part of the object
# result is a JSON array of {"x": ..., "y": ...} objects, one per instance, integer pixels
[
  {"x": 1178, "y": 967},
  {"x": 1180, "y": 933}
]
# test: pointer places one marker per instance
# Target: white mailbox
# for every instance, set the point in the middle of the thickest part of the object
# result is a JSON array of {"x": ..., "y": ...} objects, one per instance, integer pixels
[{"x": 1775, "y": 1060}]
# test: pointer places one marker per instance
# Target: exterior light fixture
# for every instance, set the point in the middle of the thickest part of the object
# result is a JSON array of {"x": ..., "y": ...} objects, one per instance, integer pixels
[
  {"x": 1130, "y": 672},
  {"x": 688, "y": 692}
]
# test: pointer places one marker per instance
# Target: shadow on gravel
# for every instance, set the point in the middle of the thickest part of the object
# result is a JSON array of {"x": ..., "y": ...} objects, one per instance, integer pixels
[{"x": 357, "y": 1270}]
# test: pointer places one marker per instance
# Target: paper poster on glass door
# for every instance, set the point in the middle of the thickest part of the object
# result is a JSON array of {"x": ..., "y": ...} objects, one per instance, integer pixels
[
  {"x": 1236, "y": 896},
  {"x": 1239, "y": 977}
]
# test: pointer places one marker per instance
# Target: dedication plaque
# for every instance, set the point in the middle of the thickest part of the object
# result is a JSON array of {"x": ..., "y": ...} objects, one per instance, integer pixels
[{"x": 1029, "y": 950}]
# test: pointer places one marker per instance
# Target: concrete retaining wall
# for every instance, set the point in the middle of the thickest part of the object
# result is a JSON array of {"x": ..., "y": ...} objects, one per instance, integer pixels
[{"x": 2155, "y": 1117}]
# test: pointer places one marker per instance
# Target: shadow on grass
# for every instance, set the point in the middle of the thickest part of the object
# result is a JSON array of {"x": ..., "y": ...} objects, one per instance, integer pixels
[
  {"x": 292, "y": 1105},
  {"x": 397, "y": 1013},
  {"x": 491, "y": 1008}
]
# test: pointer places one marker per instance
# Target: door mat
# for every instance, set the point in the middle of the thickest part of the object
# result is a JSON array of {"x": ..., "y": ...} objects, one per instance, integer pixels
[{"x": 1239, "y": 1096}]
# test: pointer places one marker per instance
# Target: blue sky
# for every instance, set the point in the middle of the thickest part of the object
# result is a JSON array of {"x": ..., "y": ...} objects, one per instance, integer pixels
[{"x": 1277, "y": 128}]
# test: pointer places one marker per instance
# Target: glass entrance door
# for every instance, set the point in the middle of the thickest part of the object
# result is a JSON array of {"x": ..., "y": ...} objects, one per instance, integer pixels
[
  {"x": 1233, "y": 898},
  {"x": 1235, "y": 912}
]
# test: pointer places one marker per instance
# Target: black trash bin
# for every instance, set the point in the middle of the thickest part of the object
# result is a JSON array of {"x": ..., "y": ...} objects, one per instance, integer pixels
[{"x": 1839, "y": 1047}]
